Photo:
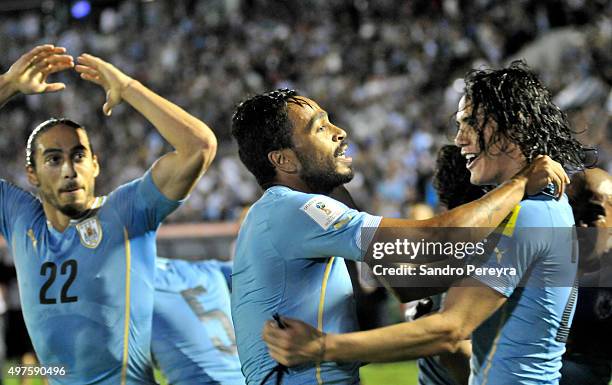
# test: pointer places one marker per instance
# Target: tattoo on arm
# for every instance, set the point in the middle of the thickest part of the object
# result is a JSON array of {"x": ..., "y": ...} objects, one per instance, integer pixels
[{"x": 489, "y": 208}]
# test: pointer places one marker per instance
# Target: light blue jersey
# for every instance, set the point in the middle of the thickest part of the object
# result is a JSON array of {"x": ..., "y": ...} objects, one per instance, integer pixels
[
  {"x": 193, "y": 337},
  {"x": 522, "y": 343},
  {"x": 87, "y": 292},
  {"x": 283, "y": 264}
]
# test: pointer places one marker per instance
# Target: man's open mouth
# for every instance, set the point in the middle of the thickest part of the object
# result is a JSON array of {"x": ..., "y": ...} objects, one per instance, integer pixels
[{"x": 470, "y": 158}]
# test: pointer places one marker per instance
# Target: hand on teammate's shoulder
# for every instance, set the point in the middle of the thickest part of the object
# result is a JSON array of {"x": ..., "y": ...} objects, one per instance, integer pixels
[{"x": 541, "y": 172}]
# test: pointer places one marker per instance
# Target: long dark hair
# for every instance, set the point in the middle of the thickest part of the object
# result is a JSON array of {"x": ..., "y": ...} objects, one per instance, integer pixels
[{"x": 521, "y": 106}]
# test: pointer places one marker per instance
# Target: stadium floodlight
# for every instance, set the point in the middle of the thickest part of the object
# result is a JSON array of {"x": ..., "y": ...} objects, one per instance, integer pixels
[{"x": 80, "y": 9}]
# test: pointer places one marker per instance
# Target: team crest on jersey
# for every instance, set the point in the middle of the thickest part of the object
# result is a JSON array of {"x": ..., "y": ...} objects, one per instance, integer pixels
[{"x": 90, "y": 232}]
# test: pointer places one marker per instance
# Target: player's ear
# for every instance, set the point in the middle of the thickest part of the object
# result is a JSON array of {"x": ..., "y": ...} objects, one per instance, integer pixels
[
  {"x": 96, "y": 166},
  {"x": 32, "y": 178},
  {"x": 284, "y": 160}
]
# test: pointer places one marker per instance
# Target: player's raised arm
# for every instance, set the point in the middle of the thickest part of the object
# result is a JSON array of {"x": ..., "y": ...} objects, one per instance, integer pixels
[
  {"x": 176, "y": 173},
  {"x": 28, "y": 75}
]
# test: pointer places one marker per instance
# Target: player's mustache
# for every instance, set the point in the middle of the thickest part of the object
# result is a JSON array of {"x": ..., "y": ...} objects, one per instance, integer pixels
[{"x": 70, "y": 187}]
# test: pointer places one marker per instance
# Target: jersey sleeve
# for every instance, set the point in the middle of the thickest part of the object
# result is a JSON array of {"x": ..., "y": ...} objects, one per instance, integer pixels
[
  {"x": 524, "y": 236},
  {"x": 13, "y": 202},
  {"x": 314, "y": 226},
  {"x": 142, "y": 204}
]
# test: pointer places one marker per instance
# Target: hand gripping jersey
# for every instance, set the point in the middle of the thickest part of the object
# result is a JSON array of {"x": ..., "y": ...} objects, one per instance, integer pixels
[
  {"x": 288, "y": 260},
  {"x": 193, "y": 337},
  {"x": 87, "y": 292}
]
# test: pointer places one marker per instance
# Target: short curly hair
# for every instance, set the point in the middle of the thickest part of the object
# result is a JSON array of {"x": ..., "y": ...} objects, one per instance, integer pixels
[{"x": 261, "y": 124}]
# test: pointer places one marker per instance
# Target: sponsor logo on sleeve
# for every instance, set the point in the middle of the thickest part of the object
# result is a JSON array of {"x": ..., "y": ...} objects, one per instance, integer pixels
[{"x": 323, "y": 210}]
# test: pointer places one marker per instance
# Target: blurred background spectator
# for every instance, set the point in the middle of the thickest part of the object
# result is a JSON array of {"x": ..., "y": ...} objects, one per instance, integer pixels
[{"x": 390, "y": 72}]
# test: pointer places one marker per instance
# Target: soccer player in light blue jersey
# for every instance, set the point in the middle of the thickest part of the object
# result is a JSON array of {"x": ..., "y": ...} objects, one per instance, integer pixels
[
  {"x": 193, "y": 336},
  {"x": 290, "y": 247},
  {"x": 518, "y": 322},
  {"x": 85, "y": 264}
]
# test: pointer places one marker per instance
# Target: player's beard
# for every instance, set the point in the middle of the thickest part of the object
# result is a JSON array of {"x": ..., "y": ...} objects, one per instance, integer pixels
[
  {"x": 321, "y": 176},
  {"x": 71, "y": 210}
]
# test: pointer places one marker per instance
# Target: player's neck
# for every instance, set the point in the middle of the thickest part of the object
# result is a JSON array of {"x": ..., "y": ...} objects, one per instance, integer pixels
[
  {"x": 293, "y": 183},
  {"x": 56, "y": 218},
  {"x": 59, "y": 220},
  {"x": 514, "y": 162},
  {"x": 507, "y": 174}
]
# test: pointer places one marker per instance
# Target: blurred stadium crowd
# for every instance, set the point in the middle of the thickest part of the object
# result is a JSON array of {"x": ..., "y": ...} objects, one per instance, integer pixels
[{"x": 387, "y": 71}]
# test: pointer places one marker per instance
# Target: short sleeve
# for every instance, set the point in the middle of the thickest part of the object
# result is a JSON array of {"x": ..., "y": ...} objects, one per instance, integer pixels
[
  {"x": 314, "y": 226},
  {"x": 518, "y": 247},
  {"x": 13, "y": 202},
  {"x": 142, "y": 202}
]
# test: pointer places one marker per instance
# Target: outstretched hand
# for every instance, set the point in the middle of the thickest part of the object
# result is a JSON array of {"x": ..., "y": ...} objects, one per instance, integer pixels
[
  {"x": 106, "y": 75},
  {"x": 29, "y": 73}
]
